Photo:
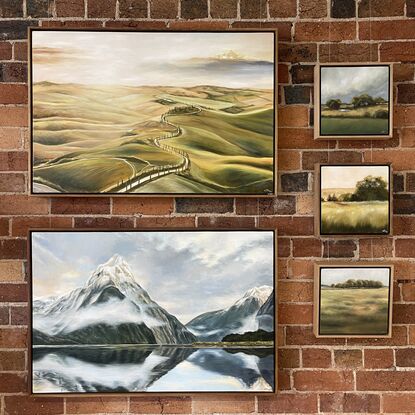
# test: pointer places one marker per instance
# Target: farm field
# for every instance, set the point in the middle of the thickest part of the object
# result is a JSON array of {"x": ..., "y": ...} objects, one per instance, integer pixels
[
  {"x": 355, "y": 217},
  {"x": 353, "y": 126},
  {"x": 354, "y": 311},
  {"x": 95, "y": 138}
]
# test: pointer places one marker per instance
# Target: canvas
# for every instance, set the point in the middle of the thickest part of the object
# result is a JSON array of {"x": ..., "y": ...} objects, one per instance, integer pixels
[
  {"x": 353, "y": 300},
  {"x": 353, "y": 101},
  {"x": 354, "y": 199},
  {"x": 152, "y": 311},
  {"x": 136, "y": 112}
]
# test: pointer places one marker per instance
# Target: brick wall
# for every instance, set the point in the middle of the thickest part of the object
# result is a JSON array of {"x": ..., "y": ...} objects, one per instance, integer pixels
[{"x": 316, "y": 376}]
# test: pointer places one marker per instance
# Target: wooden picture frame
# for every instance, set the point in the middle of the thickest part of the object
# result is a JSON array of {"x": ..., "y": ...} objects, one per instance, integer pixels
[
  {"x": 340, "y": 215},
  {"x": 110, "y": 272},
  {"x": 385, "y": 322},
  {"x": 376, "y": 127},
  {"x": 68, "y": 169}
]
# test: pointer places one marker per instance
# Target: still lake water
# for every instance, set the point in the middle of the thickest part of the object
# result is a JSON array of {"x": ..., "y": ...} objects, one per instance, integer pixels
[{"x": 152, "y": 369}]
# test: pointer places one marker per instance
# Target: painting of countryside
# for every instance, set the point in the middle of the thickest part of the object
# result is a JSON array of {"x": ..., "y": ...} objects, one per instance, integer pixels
[
  {"x": 354, "y": 100},
  {"x": 354, "y": 199},
  {"x": 165, "y": 311},
  {"x": 153, "y": 112},
  {"x": 354, "y": 301}
]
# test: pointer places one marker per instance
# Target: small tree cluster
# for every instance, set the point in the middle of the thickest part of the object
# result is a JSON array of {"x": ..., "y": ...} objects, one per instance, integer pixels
[
  {"x": 364, "y": 100},
  {"x": 334, "y": 104},
  {"x": 352, "y": 283}
]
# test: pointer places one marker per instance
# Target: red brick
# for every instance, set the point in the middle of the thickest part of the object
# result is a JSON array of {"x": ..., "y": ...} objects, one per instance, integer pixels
[
  {"x": 5, "y": 51},
  {"x": 11, "y": 271},
  {"x": 4, "y": 226},
  {"x": 13, "y": 337},
  {"x": 312, "y": 9},
  {"x": 348, "y": 358},
  {"x": 331, "y": 402},
  {"x": 288, "y": 358},
  {"x": 398, "y": 402},
  {"x": 363, "y": 403},
  {"x": 19, "y": 315},
  {"x": 301, "y": 138},
  {"x": 13, "y": 293},
  {"x": 404, "y": 248},
  {"x": 323, "y": 31},
  {"x": 13, "y": 117},
  {"x": 113, "y": 223},
  {"x": 12, "y": 249},
  {"x": 410, "y": 182},
  {"x": 12, "y": 360},
  {"x": 23, "y": 205},
  {"x": 339, "y": 249},
  {"x": 403, "y": 72},
  {"x": 10, "y": 138},
  {"x": 133, "y": 8},
  {"x": 294, "y": 53},
  {"x": 288, "y": 160},
  {"x": 13, "y": 161},
  {"x": 199, "y": 25},
  {"x": 21, "y": 225},
  {"x": 28, "y": 405},
  {"x": 405, "y": 357},
  {"x": 136, "y": 24},
  {"x": 408, "y": 291},
  {"x": 284, "y": 28},
  {"x": 381, "y": 380},
  {"x": 80, "y": 205},
  {"x": 378, "y": 358},
  {"x": 399, "y": 338},
  {"x": 13, "y": 94},
  {"x": 316, "y": 358},
  {"x": 229, "y": 405},
  {"x": 14, "y": 72},
  {"x": 295, "y": 291},
  {"x": 284, "y": 247},
  {"x": 96, "y": 405},
  {"x": 4, "y": 316},
  {"x": 386, "y": 30},
  {"x": 295, "y": 313},
  {"x": 12, "y": 182},
  {"x": 376, "y": 248},
  {"x": 77, "y": 24},
  {"x": 381, "y": 8},
  {"x": 399, "y": 159},
  {"x": 70, "y": 8},
  {"x": 404, "y": 115},
  {"x": 222, "y": 222},
  {"x": 300, "y": 268},
  {"x": 282, "y": 8},
  {"x": 397, "y": 52},
  {"x": 194, "y": 9},
  {"x": 252, "y": 9},
  {"x": 12, "y": 383},
  {"x": 348, "y": 52},
  {"x": 406, "y": 94},
  {"x": 223, "y": 9},
  {"x": 101, "y": 8},
  {"x": 286, "y": 403},
  {"x": 161, "y": 405},
  {"x": 289, "y": 225},
  {"x": 281, "y": 205},
  {"x": 303, "y": 335},
  {"x": 292, "y": 116},
  {"x": 311, "y": 158},
  {"x": 318, "y": 380},
  {"x": 282, "y": 74},
  {"x": 307, "y": 247},
  {"x": 284, "y": 380},
  {"x": 142, "y": 206},
  {"x": 165, "y": 9},
  {"x": 170, "y": 222}
]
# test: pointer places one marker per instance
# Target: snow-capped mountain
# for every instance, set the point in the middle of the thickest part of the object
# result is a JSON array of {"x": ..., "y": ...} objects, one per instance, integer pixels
[
  {"x": 111, "y": 308},
  {"x": 265, "y": 315},
  {"x": 238, "y": 318}
]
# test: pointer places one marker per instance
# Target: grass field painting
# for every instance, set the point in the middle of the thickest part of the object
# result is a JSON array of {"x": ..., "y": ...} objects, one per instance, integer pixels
[
  {"x": 158, "y": 113},
  {"x": 355, "y": 100},
  {"x": 354, "y": 199},
  {"x": 354, "y": 301}
]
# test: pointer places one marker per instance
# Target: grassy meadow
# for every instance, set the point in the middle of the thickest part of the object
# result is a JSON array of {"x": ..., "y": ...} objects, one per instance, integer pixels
[
  {"x": 90, "y": 138},
  {"x": 354, "y": 311}
]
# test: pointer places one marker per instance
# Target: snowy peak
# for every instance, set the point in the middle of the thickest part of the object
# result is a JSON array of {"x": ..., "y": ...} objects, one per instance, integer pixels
[{"x": 260, "y": 293}]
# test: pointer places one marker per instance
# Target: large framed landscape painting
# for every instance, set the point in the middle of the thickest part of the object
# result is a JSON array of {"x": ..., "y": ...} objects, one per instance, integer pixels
[
  {"x": 151, "y": 112},
  {"x": 353, "y": 101},
  {"x": 152, "y": 311},
  {"x": 354, "y": 199},
  {"x": 353, "y": 299}
]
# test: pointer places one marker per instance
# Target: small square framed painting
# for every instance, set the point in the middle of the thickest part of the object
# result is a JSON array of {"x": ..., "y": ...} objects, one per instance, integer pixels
[
  {"x": 152, "y": 311},
  {"x": 353, "y": 299},
  {"x": 129, "y": 112},
  {"x": 353, "y": 199},
  {"x": 353, "y": 101}
]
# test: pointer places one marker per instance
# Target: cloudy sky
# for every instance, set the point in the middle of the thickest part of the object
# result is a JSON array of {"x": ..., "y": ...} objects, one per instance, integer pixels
[
  {"x": 187, "y": 273},
  {"x": 168, "y": 59},
  {"x": 347, "y": 82},
  {"x": 338, "y": 275},
  {"x": 346, "y": 177}
]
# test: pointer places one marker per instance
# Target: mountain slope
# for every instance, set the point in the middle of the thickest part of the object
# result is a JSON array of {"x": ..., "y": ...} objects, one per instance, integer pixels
[
  {"x": 265, "y": 315},
  {"x": 239, "y": 318},
  {"x": 112, "y": 308}
]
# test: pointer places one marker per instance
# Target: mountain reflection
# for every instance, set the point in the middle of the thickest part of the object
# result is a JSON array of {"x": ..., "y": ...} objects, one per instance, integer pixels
[{"x": 151, "y": 368}]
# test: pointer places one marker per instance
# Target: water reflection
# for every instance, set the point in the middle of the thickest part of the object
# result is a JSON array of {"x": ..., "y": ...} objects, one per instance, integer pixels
[{"x": 151, "y": 368}]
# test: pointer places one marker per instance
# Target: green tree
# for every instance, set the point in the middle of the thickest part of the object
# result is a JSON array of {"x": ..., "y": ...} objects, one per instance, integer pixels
[
  {"x": 371, "y": 188},
  {"x": 363, "y": 100},
  {"x": 334, "y": 104}
]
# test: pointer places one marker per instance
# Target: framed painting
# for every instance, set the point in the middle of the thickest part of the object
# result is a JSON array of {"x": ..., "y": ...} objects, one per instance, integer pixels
[
  {"x": 353, "y": 199},
  {"x": 353, "y": 101},
  {"x": 353, "y": 299},
  {"x": 119, "y": 112},
  {"x": 154, "y": 311}
]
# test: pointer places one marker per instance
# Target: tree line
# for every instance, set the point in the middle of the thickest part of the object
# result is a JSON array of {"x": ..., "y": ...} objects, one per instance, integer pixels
[
  {"x": 360, "y": 101},
  {"x": 352, "y": 283}
]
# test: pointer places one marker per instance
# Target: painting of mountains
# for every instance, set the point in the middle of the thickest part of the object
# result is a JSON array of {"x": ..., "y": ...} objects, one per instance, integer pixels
[
  {"x": 122, "y": 112},
  {"x": 152, "y": 311},
  {"x": 354, "y": 101}
]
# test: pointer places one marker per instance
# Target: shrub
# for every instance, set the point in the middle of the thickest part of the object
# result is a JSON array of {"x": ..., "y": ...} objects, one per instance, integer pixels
[{"x": 381, "y": 114}]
